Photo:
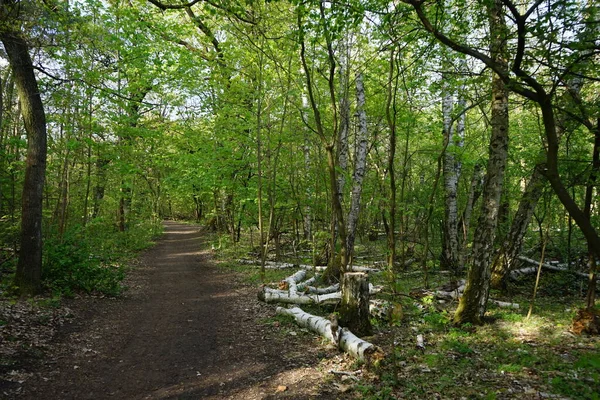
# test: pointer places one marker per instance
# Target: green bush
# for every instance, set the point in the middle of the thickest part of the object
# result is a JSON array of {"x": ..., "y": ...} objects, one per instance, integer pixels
[{"x": 70, "y": 266}]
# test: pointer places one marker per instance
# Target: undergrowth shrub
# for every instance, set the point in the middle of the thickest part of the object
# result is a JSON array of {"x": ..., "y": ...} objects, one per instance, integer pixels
[
  {"x": 90, "y": 259},
  {"x": 70, "y": 266}
]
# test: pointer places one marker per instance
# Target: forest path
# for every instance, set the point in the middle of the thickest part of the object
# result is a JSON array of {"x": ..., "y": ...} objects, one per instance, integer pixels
[{"x": 185, "y": 330}]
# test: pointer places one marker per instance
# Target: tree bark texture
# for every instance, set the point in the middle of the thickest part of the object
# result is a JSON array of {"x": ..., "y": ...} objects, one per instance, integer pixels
[
  {"x": 450, "y": 252},
  {"x": 360, "y": 162},
  {"x": 341, "y": 337},
  {"x": 390, "y": 113},
  {"x": 465, "y": 222},
  {"x": 590, "y": 298},
  {"x": 354, "y": 308},
  {"x": 506, "y": 258},
  {"x": 473, "y": 304},
  {"x": 29, "y": 267}
]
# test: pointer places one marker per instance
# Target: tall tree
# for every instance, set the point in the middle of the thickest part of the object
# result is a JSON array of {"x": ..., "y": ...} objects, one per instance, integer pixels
[
  {"x": 29, "y": 267},
  {"x": 473, "y": 303}
]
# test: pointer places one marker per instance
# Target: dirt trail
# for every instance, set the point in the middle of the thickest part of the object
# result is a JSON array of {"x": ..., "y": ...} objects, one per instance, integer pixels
[{"x": 186, "y": 330}]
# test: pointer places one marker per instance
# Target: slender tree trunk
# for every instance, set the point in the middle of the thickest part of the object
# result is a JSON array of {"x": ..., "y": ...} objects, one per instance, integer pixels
[
  {"x": 1, "y": 108},
  {"x": 306, "y": 150},
  {"x": 465, "y": 223},
  {"x": 450, "y": 254},
  {"x": 590, "y": 298},
  {"x": 261, "y": 233},
  {"x": 360, "y": 161},
  {"x": 506, "y": 257},
  {"x": 337, "y": 263},
  {"x": 29, "y": 267},
  {"x": 473, "y": 303},
  {"x": 101, "y": 164},
  {"x": 390, "y": 113},
  {"x": 88, "y": 172},
  {"x": 344, "y": 120}
]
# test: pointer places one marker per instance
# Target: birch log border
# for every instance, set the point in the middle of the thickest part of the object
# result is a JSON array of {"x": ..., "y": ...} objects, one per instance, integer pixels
[
  {"x": 342, "y": 338},
  {"x": 284, "y": 265},
  {"x": 515, "y": 274},
  {"x": 269, "y": 295}
]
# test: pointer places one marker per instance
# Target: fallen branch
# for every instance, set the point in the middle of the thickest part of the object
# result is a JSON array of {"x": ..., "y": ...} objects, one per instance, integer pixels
[
  {"x": 269, "y": 295},
  {"x": 284, "y": 265},
  {"x": 504, "y": 304},
  {"x": 292, "y": 281},
  {"x": 350, "y": 375},
  {"x": 358, "y": 268},
  {"x": 514, "y": 274},
  {"x": 342, "y": 337},
  {"x": 317, "y": 290},
  {"x": 307, "y": 282},
  {"x": 456, "y": 293},
  {"x": 374, "y": 289}
]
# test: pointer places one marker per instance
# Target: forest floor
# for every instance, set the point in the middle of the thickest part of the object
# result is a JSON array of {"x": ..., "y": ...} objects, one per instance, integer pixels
[
  {"x": 185, "y": 329},
  {"x": 190, "y": 326}
]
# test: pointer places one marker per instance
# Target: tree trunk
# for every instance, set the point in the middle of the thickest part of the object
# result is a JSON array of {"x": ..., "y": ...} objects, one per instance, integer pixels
[
  {"x": 360, "y": 161},
  {"x": 390, "y": 113},
  {"x": 450, "y": 254},
  {"x": 341, "y": 337},
  {"x": 354, "y": 308},
  {"x": 473, "y": 304},
  {"x": 29, "y": 267},
  {"x": 101, "y": 164},
  {"x": 590, "y": 298},
  {"x": 505, "y": 259},
  {"x": 342, "y": 150},
  {"x": 337, "y": 262},
  {"x": 465, "y": 222}
]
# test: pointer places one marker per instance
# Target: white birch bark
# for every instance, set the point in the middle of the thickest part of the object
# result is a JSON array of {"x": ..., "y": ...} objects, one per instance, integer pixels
[
  {"x": 344, "y": 118},
  {"x": 318, "y": 290},
  {"x": 306, "y": 150},
  {"x": 269, "y": 295},
  {"x": 514, "y": 274},
  {"x": 473, "y": 303},
  {"x": 342, "y": 338},
  {"x": 450, "y": 259},
  {"x": 359, "y": 165},
  {"x": 293, "y": 280}
]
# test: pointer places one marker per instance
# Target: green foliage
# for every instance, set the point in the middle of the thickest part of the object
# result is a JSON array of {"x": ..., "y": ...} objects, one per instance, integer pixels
[
  {"x": 70, "y": 266},
  {"x": 91, "y": 259}
]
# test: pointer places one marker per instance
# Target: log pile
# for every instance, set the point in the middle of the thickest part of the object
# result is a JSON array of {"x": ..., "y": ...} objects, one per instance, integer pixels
[
  {"x": 517, "y": 273},
  {"x": 296, "y": 290},
  {"x": 284, "y": 265}
]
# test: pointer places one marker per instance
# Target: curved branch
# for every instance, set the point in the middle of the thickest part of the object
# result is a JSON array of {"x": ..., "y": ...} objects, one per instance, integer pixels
[{"x": 165, "y": 7}]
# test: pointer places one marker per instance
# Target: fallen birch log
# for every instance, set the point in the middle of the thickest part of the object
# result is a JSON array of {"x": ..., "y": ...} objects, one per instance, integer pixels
[
  {"x": 318, "y": 290},
  {"x": 342, "y": 337},
  {"x": 284, "y": 265},
  {"x": 374, "y": 289},
  {"x": 504, "y": 304},
  {"x": 269, "y": 295},
  {"x": 523, "y": 271},
  {"x": 268, "y": 264},
  {"x": 307, "y": 282},
  {"x": 292, "y": 281},
  {"x": 358, "y": 268},
  {"x": 456, "y": 293}
]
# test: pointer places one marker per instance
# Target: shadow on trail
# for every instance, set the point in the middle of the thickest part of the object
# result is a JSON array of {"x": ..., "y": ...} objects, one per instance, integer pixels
[{"x": 189, "y": 332}]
